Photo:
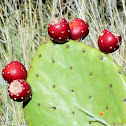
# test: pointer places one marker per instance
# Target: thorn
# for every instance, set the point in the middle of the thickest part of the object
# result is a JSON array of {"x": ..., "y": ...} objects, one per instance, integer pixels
[
  {"x": 124, "y": 100},
  {"x": 73, "y": 112},
  {"x": 72, "y": 90},
  {"x": 39, "y": 104},
  {"x": 90, "y": 97},
  {"x": 54, "y": 86}
]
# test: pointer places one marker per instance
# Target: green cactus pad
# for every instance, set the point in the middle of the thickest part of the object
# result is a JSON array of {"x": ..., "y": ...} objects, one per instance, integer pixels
[{"x": 75, "y": 85}]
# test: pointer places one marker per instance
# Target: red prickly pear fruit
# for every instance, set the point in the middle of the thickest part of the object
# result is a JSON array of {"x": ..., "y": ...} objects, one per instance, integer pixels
[
  {"x": 19, "y": 90},
  {"x": 14, "y": 70},
  {"x": 79, "y": 29},
  {"x": 108, "y": 42},
  {"x": 59, "y": 30}
]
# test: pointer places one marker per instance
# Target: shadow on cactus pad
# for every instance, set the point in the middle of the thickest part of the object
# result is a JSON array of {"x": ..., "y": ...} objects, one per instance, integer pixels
[
  {"x": 75, "y": 85},
  {"x": 26, "y": 102}
]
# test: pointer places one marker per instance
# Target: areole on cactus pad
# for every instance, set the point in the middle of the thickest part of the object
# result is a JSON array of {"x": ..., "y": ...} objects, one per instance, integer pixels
[{"x": 75, "y": 85}]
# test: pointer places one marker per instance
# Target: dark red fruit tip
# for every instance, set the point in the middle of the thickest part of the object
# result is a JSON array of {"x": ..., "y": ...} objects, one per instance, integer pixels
[
  {"x": 14, "y": 70},
  {"x": 19, "y": 90}
]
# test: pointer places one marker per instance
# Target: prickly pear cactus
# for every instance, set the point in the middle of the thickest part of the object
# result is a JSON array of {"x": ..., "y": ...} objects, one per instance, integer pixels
[{"x": 75, "y": 85}]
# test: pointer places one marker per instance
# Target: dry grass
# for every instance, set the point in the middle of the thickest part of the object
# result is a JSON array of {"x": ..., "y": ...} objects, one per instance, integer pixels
[{"x": 23, "y": 27}]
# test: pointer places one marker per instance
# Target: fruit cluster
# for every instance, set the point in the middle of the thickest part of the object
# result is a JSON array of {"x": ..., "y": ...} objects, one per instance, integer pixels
[
  {"x": 61, "y": 31},
  {"x": 15, "y": 74}
]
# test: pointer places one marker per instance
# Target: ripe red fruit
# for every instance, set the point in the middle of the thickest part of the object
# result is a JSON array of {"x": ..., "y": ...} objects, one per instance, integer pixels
[
  {"x": 19, "y": 90},
  {"x": 14, "y": 70},
  {"x": 79, "y": 29},
  {"x": 59, "y": 30},
  {"x": 108, "y": 42}
]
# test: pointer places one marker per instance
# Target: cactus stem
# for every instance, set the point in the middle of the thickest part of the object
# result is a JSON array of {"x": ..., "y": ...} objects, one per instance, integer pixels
[
  {"x": 64, "y": 75},
  {"x": 93, "y": 117}
]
